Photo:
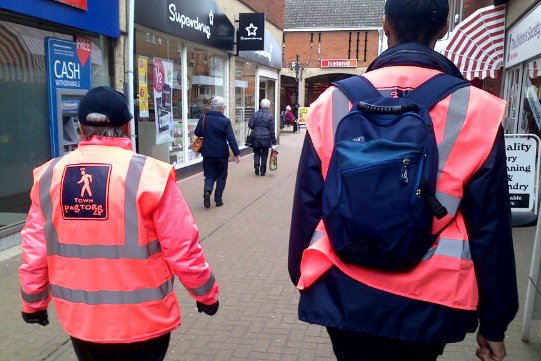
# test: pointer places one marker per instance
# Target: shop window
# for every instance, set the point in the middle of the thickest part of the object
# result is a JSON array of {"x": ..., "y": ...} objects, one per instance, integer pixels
[
  {"x": 206, "y": 73},
  {"x": 244, "y": 98},
  {"x": 158, "y": 103},
  {"x": 531, "y": 106}
]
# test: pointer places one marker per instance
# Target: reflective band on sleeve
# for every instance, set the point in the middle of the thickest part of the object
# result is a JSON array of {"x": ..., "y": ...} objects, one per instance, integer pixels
[
  {"x": 454, "y": 248},
  {"x": 203, "y": 290},
  {"x": 113, "y": 297},
  {"x": 35, "y": 297},
  {"x": 131, "y": 250}
]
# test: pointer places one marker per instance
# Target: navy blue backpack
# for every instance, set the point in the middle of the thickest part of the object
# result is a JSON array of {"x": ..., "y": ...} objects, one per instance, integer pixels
[{"x": 379, "y": 195}]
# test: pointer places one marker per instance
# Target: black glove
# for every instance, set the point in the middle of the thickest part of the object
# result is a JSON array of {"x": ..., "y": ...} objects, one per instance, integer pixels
[
  {"x": 208, "y": 309},
  {"x": 40, "y": 317}
]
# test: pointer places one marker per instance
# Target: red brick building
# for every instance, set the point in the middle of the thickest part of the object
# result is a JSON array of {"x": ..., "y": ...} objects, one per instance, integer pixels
[{"x": 325, "y": 41}]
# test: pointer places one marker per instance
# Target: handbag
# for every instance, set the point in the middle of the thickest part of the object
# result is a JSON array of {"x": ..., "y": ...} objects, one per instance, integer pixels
[
  {"x": 249, "y": 139},
  {"x": 197, "y": 144}
]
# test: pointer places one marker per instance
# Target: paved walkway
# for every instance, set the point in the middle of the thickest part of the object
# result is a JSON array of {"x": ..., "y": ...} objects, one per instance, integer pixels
[{"x": 246, "y": 243}]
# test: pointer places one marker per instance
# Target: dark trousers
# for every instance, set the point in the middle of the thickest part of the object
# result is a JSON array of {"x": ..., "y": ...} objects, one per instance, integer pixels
[
  {"x": 149, "y": 350},
  {"x": 355, "y": 346},
  {"x": 215, "y": 171},
  {"x": 260, "y": 159},
  {"x": 295, "y": 126}
]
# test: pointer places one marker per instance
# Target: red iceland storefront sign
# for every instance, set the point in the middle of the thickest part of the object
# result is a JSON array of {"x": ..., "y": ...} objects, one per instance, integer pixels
[{"x": 338, "y": 63}]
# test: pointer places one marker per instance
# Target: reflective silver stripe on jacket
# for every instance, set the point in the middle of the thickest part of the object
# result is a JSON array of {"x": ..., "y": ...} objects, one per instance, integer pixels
[
  {"x": 456, "y": 116},
  {"x": 204, "y": 289},
  {"x": 35, "y": 297},
  {"x": 454, "y": 248},
  {"x": 113, "y": 297},
  {"x": 131, "y": 249}
]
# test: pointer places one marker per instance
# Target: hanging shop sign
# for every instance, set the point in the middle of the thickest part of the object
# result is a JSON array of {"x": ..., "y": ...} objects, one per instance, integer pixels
[
  {"x": 251, "y": 33},
  {"x": 106, "y": 11},
  {"x": 201, "y": 21},
  {"x": 338, "y": 63},
  {"x": 270, "y": 56},
  {"x": 524, "y": 39}
]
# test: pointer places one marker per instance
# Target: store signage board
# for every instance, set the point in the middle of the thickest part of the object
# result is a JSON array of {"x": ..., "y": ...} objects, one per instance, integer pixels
[
  {"x": 524, "y": 39},
  {"x": 65, "y": 71},
  {"x": 522, "y": 171},
  {"x": 251, "y": 32},
  {"x": 338, "y": 63},
  {"x": 201, "y": 21},
  {"x": 79, "y": 4}
]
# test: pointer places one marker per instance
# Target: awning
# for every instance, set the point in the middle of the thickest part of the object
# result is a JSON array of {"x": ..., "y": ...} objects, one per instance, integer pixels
[
  {"x": 21, "y": 55},
  {"x": 476, "y": 45}
]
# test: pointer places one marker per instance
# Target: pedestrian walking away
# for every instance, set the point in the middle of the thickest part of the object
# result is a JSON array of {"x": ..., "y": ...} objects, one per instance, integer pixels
[
  {"x": 262, "y": 125},
  {"x": 466, "y": 280},
  {"x": 218, "y": 134},
  {"x": 107, "y": 232}
]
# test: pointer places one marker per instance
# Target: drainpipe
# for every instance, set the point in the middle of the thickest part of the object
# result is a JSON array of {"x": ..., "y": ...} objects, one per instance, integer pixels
[{"x": 129, "y": 72}]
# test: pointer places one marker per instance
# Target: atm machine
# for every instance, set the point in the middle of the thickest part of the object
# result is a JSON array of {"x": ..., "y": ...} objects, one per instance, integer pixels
[{"x": 67, "y": 104}]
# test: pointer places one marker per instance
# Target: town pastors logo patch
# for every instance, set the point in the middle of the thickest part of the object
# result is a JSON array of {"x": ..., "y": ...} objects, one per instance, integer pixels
[{"x": 84, "y": 191}]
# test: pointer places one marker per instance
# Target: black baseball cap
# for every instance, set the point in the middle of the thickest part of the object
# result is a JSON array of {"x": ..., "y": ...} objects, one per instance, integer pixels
[
  {"x": 421, "y": 10},
  {"x": 104, "y": 107}
]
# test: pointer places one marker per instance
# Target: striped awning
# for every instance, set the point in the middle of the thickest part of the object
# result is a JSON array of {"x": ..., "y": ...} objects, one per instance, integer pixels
[
  {"x": 21, "y": 54},
  {"x": 476, "y": 45}
]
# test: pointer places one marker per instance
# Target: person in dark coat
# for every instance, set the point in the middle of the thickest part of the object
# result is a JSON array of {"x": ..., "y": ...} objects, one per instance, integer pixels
[
  {"x": 262, "y": 125},
  {"x": 218, "y": 134}
]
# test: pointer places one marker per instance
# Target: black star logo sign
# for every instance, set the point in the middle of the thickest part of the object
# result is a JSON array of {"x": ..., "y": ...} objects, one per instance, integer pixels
[{"x": 252, "y": 29}]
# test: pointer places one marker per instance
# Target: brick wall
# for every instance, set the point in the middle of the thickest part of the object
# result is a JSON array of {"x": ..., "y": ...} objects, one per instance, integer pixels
[
  {"x": 274, "y": 10},
  {"x": 332, "y": 45}
]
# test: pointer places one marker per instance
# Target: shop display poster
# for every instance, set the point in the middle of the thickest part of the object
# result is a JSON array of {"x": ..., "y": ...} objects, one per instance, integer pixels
[{"x": 162, "y": 85}]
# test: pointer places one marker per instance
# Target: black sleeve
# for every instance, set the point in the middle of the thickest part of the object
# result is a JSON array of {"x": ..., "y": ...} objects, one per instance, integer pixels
[
  {"x": 198, "y": 131},
  {"x": 306, "y": 206},
  {"x": 231, "y": 138},
  {"x": 487, "y": 216},
  {"x": 271, "y": 130}
]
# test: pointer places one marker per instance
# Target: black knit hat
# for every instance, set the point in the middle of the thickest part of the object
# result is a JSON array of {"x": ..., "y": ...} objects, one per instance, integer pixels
[
  {"x": 104, "y": 107},
  {"x": 421, "y": 10}
]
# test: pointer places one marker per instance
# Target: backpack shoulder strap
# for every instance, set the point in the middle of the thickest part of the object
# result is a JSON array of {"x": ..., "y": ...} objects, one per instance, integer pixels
[
  {"x": 357, "y": 88},
  {"x": 435, "y": 89}
]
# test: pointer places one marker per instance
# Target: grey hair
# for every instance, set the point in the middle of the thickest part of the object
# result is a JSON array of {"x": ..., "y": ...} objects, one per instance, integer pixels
[
  {"x": 216, "y": 103},
  {"x": 265, "y": 103},
  {"x": 111, "y": 132}
]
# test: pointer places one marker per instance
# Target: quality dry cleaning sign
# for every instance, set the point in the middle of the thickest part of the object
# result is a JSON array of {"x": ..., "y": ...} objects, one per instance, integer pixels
[{"x": 522, "y": 171}]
